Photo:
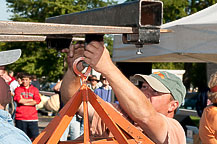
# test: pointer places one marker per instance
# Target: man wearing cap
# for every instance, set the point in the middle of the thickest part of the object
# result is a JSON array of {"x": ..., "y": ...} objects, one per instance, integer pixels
[
  {"x": 93, "y": 82},
  {"x": 151, "y": 107},
  {"x": 9, "y": 133}
]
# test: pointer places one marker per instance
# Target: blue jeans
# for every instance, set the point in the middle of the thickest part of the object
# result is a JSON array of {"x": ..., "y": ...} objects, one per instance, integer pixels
[
  {"x": 29, "y": 127},
  {"x": 15, "y": 107},
  {"x": 73, "y": 130},
  {"x": 82, "y": 126}
]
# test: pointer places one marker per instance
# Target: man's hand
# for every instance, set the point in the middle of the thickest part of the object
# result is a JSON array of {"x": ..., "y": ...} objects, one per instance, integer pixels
[
  {"x": 71, "y": 82},
  {"x": 97, "y": 56},
  {"x": 74, "y": 52}
]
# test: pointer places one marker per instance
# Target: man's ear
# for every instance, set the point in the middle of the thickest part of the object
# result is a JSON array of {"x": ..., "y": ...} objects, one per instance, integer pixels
[{"x": 173, "y": 106}]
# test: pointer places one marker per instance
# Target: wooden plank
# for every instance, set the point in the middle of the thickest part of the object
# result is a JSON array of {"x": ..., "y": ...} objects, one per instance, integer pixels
[
  {"x": 30, "y": 38},
  {"x": 21, "y": 38},
  {"x": 32, "y": 28}
]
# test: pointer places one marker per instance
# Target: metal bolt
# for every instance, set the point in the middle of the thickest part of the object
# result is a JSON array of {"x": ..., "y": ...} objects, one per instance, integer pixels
[{"x": 139, "y": 51}]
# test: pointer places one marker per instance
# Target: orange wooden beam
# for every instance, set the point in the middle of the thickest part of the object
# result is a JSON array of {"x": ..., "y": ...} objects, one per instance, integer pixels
[
  {"x": 120, "y": 120},
  {"x": 55, "y": 129}
]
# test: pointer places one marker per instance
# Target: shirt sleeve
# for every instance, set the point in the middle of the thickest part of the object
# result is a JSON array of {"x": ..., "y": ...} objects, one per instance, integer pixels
[
  {"x": 36, "y": 96},
  {"x": 96, "y": 91},
  {"x": 17, "y": 93},
  {"x": 175, "y": 132}
]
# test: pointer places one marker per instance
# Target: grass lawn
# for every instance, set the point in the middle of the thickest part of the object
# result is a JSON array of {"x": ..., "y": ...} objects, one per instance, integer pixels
[{"x": 196, "y": 120}]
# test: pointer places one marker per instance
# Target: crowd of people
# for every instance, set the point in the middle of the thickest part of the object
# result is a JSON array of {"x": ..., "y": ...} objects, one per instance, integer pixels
[
  {"x": 150, "y": 105},
  {"x": 24, "y": 98}
]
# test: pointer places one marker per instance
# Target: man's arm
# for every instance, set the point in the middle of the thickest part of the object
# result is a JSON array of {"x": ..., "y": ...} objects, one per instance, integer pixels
[
  {"x": 71, "y": 82},
  {"x": 27, "y": 101},
  {"x": 31, "y": 102},
  {"x": 131, "y": 99},
  {"x": 57, "y": 86}
]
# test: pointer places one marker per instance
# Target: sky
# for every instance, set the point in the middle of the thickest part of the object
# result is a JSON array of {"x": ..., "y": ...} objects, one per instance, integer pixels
[{"x": 4, "y": 15}]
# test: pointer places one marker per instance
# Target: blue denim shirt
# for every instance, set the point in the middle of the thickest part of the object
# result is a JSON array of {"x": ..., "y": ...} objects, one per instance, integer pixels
[
  {"x": 9, "y": 134},
  {"x": 105, "y": 94}
]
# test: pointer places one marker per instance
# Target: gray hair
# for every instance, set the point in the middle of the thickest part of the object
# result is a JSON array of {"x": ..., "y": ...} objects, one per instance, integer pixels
[{"x": 212, "y": 83}]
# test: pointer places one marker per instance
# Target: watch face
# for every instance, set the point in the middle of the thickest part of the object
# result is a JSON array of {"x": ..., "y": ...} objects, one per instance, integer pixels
[{"x": 10, "y": 56}]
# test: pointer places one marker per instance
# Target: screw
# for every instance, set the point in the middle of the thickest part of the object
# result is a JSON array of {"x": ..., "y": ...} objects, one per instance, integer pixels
[{"x": 139, "y": 51}]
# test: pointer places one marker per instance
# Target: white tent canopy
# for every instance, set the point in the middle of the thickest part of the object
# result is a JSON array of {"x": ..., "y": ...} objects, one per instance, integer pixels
[{"x": 194, "y": 39}]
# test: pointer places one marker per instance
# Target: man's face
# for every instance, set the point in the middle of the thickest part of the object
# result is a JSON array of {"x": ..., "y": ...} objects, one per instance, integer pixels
[
  {"x": 93, "y": 81},
  {"x": 2, "y": 70},
  {"x": 104, "y": 81},
  {"x": 160, "y": 101},
  {"x": 26, "y": 82},
  {"x": 5, "y": 94}
]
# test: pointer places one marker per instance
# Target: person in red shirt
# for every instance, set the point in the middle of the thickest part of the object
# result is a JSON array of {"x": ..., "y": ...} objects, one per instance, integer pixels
[{"x": 26, "y": 117}]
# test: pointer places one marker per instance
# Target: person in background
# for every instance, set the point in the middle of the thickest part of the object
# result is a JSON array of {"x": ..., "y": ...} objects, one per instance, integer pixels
[
  {"x": 202, "y": 99},
  {"x": 2, "y": 70},
  {"x": 13, "y": 85},
  {"x": 105, "y": 91},
  {"x": 11, "y": 81},
  {"x": 11, "y": 75},
  {"x": 18, "y": 77},
  {"x": 93, "y": 82},
  {"x": 26, "y": 117},
  {"x": 4, "y": 74},
  {"x": 208, "y": 121},
  {"x": 9, "y": 134},
  {"x": 35, "y": 82}
]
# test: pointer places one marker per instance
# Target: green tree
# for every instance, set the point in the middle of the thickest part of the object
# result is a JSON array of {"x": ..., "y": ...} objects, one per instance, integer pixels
[
  {"x": 197, "y": 5},
  {"x": 36, "y": 57},
  {"x": 174, "y": 9}
]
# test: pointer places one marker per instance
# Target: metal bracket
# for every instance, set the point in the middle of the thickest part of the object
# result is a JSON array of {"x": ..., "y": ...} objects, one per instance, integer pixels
[
  {"x": 145, "y": 35},
  {"x": 58, "y": 43}
]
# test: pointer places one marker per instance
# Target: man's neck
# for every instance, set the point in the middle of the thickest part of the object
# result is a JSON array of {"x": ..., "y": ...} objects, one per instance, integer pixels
[
  {"x": 170, "y": 115},
  {"x": 93, "y": 86},
  {"x": 105, "y": 86},
  {"x": 26, "y": 87}
]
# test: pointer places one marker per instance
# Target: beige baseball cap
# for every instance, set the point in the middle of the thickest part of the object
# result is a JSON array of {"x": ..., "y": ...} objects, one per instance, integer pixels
[
  {"x": 9, "y": 56},
  {"x": 165, "y": 82}
]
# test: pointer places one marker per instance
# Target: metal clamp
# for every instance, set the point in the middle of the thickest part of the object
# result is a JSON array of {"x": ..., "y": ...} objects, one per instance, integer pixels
[{"x": 80, "y": 74}]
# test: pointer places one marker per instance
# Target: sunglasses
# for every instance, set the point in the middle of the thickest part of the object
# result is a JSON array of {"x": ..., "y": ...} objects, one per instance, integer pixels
[{"x": 93, "y": 80}]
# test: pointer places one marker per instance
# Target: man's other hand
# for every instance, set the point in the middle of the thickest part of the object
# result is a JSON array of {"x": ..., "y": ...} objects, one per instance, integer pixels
[{"x": 74, "y": 52}]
